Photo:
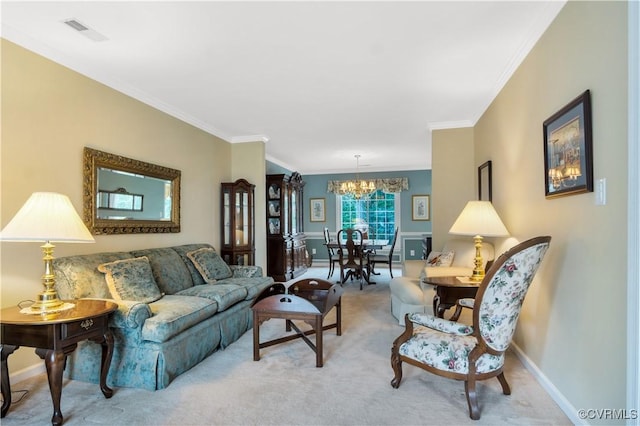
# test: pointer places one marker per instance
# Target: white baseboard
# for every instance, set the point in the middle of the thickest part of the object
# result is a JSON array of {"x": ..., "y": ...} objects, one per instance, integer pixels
[
  {"x": 27, "y": 373},
  {"x": 548, "y": 386}
]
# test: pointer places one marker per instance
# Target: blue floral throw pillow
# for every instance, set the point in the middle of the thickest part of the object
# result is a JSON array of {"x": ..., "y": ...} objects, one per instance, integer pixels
[
  {"x": 210, "y": 264},
  {"x": 131, "y": 279}
]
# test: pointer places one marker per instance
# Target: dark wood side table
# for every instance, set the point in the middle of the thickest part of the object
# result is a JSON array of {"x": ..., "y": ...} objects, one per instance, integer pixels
[
  {"x": 449, "y": 290},
  {"x": 55, "y": 336}
]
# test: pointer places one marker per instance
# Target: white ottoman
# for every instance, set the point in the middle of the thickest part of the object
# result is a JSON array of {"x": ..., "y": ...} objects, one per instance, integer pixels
[{"x": 408, "y": 297}]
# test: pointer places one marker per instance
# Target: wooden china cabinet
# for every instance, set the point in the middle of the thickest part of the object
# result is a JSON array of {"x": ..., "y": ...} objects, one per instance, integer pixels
[
  {"x": 286, "y": 245},
  {"x": 238, "y": 244}
]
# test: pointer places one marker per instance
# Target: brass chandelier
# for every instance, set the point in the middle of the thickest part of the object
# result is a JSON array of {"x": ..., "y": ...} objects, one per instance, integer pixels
[{"x": 357, "y": 187}]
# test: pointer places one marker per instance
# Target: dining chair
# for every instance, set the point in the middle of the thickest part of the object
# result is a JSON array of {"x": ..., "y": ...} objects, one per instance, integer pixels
[
  {"x": 376, "y": 258},
  {"x": 352, "y": 259},
  {"x": 473, "y": 352},
  {"x": 332, "y": 252}
]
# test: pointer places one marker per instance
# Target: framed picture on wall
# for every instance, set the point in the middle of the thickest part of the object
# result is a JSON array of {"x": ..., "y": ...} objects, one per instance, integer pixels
[
  {"x": 420, "y": 207},
  {"x": 484, "y": 182},
  {"x": 317, "y": 210},
  {"x": 568, "y": 157}
]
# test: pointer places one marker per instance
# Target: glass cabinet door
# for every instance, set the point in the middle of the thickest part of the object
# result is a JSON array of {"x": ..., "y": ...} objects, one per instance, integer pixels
[
  {"x": 294, "y": 211},
  {"x": 238, "y": 246},
  {"x": 226, "y": 218},
  {"x": 242, "y": 218},
  {"x": 285, "y": 212}
]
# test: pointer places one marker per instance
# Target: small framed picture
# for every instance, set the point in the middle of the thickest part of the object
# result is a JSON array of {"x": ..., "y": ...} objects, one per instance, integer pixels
[
  {"x": 420, "y": 207},
  {"x": 317, "y": 210},
  {"x": 568, "y": 158},
  {"x": 484, "y": 182}
]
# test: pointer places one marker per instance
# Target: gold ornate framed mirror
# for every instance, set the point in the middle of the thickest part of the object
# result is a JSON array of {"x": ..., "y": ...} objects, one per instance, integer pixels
[{"x": 158, "y": 186}]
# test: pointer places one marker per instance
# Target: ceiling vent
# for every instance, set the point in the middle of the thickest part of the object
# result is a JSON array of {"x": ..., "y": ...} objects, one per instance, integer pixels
[{"x": 84, "y": 30}]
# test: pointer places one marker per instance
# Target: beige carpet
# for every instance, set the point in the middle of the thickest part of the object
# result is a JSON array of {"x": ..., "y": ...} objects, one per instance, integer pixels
[{"x": 285, "y": 387}]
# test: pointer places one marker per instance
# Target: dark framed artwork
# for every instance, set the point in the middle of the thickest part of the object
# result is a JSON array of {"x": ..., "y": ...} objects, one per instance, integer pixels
[
  {"x": 568, "y": 149},
  {"x": 484, "y": 182}
]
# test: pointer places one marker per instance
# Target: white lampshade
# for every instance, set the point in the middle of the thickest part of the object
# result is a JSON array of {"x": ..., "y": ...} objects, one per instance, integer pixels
[
  {"x": 479, "y": 218},
  {"x": 47, "y": 217}
]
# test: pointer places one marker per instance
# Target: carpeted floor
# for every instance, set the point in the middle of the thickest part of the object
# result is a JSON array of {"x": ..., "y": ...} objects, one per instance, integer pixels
[{"x": 285, "y": 387}]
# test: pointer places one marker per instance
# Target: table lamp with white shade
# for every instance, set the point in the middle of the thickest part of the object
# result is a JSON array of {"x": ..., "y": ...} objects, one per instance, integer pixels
[
  {"x": 47, "y": 217},
  {"x": 480, "y": 219}
]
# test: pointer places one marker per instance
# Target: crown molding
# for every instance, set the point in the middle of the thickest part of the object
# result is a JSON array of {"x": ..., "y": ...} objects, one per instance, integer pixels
[
  {"x": 537, "y": 27},
  {"x": 42, "y": 49},
  {"x": 249, "y": 138},
  {"x": 449, "y": 125},
  {"x": 282, "y": 164}
]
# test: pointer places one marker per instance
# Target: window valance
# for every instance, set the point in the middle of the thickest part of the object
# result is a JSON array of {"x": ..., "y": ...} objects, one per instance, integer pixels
[{"x": 386, "y": 185}]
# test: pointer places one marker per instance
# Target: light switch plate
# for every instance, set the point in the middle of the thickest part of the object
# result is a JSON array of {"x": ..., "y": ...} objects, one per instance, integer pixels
[{"x": 601, "y": 192}]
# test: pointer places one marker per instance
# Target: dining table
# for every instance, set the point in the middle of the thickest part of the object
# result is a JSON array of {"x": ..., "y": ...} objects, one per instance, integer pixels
[{"x": 367, "y": 244}]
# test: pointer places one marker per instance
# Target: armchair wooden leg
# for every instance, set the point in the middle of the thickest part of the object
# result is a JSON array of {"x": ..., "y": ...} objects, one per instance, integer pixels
[
  {"x": 505, "y": 386},
  {"x": 396, "y": 361},
  {"x": 472, "y": 398},
  {"x": 396, "y": 365}
]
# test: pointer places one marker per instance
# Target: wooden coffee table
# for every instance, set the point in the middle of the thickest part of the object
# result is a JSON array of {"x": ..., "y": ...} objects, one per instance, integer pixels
[
  {"x": 308, "y": 300},
  {"x": 55, "y": 336},
  {"x": 449, "y": 290}
]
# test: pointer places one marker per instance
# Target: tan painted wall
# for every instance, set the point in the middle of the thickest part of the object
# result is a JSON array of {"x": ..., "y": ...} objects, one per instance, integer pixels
[
  {"x": 573, "y": 322},
  {"x": 452, "y": 178},
  {"x": 49, "y": 114},
  {"x": 248, "y": 163}
]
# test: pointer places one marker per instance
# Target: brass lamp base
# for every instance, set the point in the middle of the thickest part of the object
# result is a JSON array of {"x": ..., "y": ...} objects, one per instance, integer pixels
[
  {"x": 47, "y": 301},
  {"x": 478, "y": 270}
]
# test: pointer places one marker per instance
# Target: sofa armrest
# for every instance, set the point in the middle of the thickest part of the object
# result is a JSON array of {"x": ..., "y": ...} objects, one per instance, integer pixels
[
  {"x": 413, "y": 268},
  {"x": 240, "y": 271},
  {"x": 130, "y": 314}
]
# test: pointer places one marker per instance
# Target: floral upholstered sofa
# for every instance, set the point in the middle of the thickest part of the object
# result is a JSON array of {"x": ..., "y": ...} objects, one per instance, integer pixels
[{"x": 176, "y": 306}]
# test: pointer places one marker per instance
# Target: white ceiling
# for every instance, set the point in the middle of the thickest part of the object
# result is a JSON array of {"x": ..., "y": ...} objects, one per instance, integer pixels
[{"x": 321, "y": 81}]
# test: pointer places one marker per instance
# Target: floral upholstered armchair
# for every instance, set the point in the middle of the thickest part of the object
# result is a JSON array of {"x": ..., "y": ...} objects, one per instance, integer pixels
[{"x": 470, "y": 353}]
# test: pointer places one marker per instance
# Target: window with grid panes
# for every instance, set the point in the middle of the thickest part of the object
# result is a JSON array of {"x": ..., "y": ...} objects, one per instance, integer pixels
[{"x": 378, "y": 211}]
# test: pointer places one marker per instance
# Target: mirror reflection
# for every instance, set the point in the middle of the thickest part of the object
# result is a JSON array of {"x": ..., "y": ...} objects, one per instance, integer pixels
[
  {"x": 141, "y": 197},
  {"x": 119, "y": 199},
  {"x": 123, "y": 195}
]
